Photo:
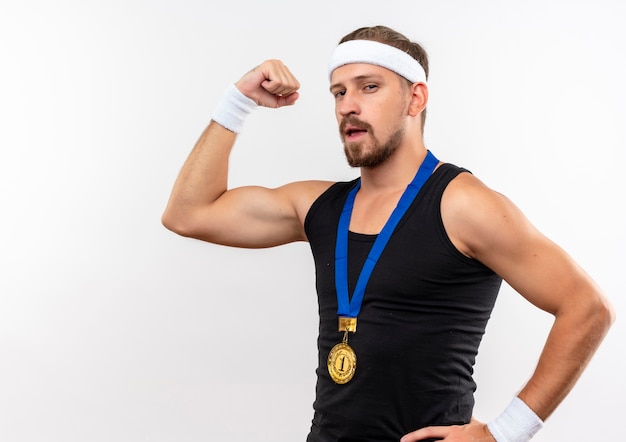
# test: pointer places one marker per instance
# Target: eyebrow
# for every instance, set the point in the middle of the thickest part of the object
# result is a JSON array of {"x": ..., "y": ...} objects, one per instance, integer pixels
[{"x": 358, "y": 78}]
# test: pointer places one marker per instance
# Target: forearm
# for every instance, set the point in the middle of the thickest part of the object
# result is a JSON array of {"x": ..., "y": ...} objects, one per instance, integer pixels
[
  {"x": 573, "y": 339},
  {"x": 202, "y": 179}
]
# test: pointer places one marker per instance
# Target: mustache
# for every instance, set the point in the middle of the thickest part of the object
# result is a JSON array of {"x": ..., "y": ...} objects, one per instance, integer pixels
[{"x": 353, "y": 121}]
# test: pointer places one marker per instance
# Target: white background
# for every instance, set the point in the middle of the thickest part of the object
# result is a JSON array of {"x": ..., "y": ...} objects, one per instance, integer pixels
[{"x": 114, "y": 329}]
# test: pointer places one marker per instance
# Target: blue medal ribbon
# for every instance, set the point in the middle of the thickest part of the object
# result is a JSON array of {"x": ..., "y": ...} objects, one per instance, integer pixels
[{"x": 347, "y": 307}]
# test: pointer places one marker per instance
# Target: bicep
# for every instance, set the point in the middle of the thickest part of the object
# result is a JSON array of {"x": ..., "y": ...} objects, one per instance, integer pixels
[
  {"x": 533, "y": 265},
  {"x": 495, "y": 232},
  {"x": 255, "y": 217}
]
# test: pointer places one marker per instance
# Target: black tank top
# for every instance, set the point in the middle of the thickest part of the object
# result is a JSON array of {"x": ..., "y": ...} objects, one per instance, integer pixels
[{"x": 423, "y": 315}]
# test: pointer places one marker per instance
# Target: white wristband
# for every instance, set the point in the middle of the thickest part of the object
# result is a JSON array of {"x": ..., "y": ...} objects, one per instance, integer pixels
[
  {"x": 517, "y": 423},
  {"x": 233, "y": 109}
]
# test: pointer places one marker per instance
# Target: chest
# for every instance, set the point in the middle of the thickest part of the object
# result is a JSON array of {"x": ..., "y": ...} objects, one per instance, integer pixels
[{"x": 370, "y": 213}]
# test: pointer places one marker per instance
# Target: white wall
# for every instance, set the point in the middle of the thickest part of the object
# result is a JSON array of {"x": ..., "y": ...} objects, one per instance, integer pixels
[{"x": 114, "y": 329}]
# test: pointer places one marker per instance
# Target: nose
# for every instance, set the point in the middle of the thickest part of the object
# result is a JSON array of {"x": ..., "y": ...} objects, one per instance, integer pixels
[{"x": 348, "y": 104}]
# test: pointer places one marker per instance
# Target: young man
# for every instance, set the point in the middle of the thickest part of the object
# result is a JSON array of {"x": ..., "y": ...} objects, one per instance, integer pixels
[{"x": 409, "y": 258}]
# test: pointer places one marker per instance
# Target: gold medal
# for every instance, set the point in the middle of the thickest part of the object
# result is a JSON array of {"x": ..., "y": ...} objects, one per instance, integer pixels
[{"x": 342, "y": 361}]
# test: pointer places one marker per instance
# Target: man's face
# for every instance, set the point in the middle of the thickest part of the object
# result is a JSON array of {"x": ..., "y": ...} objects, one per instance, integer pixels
[{"x": 371, "y": 104}]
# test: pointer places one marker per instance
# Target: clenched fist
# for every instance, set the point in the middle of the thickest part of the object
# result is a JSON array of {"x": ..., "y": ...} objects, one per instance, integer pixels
[{"x": 271, "y": 84}]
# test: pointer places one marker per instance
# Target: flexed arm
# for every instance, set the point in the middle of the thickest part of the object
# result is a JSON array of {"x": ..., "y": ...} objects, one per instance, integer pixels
[{"x": 201, "y": 206}]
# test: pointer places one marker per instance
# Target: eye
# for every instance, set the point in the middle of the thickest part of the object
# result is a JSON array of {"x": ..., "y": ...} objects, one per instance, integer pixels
[
  {"x": 370, "y": 87},
  {"x": 339, "y": 93}
]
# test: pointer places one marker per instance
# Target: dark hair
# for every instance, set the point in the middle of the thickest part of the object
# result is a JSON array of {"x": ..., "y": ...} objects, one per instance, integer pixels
[{"x": 386, "y": 35}]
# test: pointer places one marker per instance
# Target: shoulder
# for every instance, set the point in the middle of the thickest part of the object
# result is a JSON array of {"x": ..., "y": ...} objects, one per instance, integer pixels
[
  {"x": 302, "y": 194},
  {"x": 479, "y": 219}
]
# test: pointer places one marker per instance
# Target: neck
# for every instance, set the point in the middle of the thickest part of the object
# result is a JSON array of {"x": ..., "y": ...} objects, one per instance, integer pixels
[{"x": 396, "y": 172}]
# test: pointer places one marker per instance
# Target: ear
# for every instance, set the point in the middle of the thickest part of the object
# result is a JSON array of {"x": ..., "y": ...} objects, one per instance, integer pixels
[{"x": 419, "y": 98}]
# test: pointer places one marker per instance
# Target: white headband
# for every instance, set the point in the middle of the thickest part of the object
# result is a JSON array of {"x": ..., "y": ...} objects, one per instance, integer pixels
[{"x": 379, "y": 54}]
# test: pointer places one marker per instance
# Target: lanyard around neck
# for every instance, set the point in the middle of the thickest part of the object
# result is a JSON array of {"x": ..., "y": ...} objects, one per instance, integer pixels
[{"x": 351, "y": 307}]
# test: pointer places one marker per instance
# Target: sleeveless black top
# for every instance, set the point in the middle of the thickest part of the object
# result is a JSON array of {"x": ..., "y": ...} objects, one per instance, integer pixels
[{"x": 423, "y": 315}]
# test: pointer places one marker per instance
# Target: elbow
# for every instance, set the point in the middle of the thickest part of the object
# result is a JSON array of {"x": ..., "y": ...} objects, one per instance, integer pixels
[
  {"x": 602, "y": 315},
  {"x": 176, "y": 223},
  {"x": 590, "y": 316},
  {"x": 608, "y": 314},
  {"x": 169, "y": 222},
  {"x": 189, "y": 224}
]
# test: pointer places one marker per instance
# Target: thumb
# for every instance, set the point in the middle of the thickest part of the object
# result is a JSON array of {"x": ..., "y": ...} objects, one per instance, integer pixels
[
  {"x": 268, "y": 99},
  {"x": 287, "y": 100}
]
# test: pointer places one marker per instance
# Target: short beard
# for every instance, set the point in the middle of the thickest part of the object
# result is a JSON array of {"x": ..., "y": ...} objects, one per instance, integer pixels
[{"x": 357, "y": 156}]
